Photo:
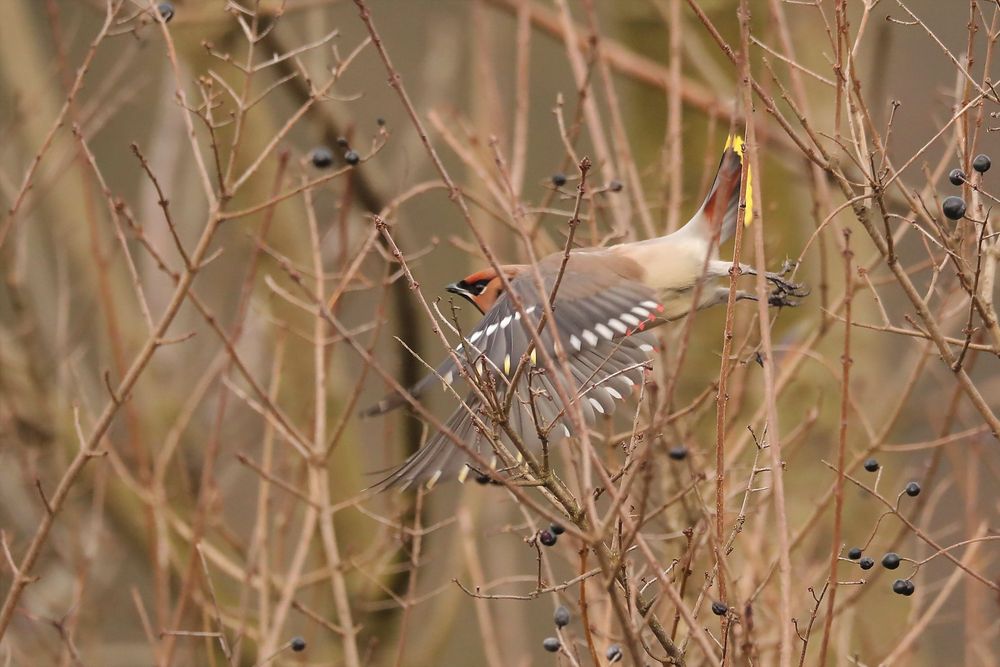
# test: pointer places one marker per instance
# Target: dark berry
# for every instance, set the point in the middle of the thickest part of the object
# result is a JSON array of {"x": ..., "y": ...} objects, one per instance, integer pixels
[
  {"x": 614, "y": 653},
  {"x": 956, "y": 176},
  {"x": 482, "y": 478},
  {"x": 550, "y": 644},
  {"x": 615, "y": 186},
  {"x": 561, "y": 617},
  {"x": 903, "y": 587},
  {"x": 719, "y": 608},
  {"x": 547, "y": 538},
  {"x": 558, "y": 180},
  {"x": 342, "y": 142},
  {"x": 351, "y": 157},
  {"x": 871, "y": 465},
  {"x": 678, "y": 453},
  {"x": 557, "y": 528},
  {"x": 981, "y": 163},
  {"x": 322, "y": 157},
  {"x": 913, "y": 489},
  {"x": 380, "y": 121},
  {"x": 854, "y": 553},
  {"x": 166, "y": 11},
  {"x": 890, "y": 561},
  {"x": 866, "y": 563},
  {"x": 298, "y": 644},
  {"x": 953, "y": 207}
]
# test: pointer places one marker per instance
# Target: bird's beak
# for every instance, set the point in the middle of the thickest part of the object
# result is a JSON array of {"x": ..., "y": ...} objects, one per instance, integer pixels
[
  {"x": 457, "y": 288},
  {"x": 462, "y": 291}
]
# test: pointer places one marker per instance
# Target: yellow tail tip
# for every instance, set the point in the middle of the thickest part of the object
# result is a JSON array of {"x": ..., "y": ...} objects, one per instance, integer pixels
[{"x": 736, "y": 142}]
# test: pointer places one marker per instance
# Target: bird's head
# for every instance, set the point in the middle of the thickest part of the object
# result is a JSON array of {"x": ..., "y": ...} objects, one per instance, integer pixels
[{"x": 482, "y": 288}]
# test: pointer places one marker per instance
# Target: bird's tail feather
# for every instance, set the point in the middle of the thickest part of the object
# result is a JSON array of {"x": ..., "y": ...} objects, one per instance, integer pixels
[{"x": 722, "y": 202}]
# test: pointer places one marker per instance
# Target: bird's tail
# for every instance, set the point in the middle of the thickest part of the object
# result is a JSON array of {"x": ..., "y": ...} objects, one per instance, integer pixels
[{"x": 722, "y": 203}]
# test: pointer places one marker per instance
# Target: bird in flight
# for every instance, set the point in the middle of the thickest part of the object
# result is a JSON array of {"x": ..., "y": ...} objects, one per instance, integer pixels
[{"x": 608, "y": 299}]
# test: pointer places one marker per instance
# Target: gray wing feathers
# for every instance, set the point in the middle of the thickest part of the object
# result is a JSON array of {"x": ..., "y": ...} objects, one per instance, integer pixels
[{"x": 606, "y": 351}]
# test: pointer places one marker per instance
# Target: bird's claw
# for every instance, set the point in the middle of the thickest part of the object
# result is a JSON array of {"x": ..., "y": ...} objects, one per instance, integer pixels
[
  {"x": 781, "y": 299},
  {"x": 787, "y": 267},
  {"x": 784, "y": 288}
]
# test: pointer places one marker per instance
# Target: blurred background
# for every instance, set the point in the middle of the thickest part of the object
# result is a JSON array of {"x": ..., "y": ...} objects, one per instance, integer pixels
[{"x": 220, "y": 442}]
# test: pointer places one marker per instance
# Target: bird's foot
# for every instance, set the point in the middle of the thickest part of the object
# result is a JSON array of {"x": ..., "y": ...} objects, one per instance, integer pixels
[
  {"x": 784, "y": 288},
  {"x": 782, "y": 299}
]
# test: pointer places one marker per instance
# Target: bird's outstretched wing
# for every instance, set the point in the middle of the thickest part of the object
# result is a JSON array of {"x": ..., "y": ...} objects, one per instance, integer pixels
[{"x": 602, "y": 314}]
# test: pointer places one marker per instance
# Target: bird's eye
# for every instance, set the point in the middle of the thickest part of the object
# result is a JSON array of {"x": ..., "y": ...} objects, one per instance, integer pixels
[{"x": 479, "y": 286}]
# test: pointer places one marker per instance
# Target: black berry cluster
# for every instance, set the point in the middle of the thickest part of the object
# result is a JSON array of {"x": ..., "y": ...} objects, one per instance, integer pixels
[{"x": 953, "y": 207}]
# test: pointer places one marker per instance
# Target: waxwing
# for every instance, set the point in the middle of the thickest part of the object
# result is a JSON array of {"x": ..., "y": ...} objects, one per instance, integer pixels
[{"x": 607, "y": 302}]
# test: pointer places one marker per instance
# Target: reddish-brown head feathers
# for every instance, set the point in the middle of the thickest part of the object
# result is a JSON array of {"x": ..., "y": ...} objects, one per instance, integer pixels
[{"x": 483, "y": 288}]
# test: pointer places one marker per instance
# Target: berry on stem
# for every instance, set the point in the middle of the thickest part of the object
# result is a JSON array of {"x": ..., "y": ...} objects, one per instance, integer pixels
[
  {"x": 559, "y": 180},
  {"x": 912, "y": 489},
  {"x": 551, "y": 644},
  {"x": 982, "y": 163},
  {"x": 953, "y": 207},
  {"x": 891, "y": 560},
  {"x": 956, "y": 176},
  {"x": 615, "y": 186},
  {"x": 547, "y": 538},
  {"x": 166, "y": 11},
  {"x": 903, "y": 587},
  {"x": 561, "y": 617},
  {"x": 719, "y": 608},
  {"x": 866, "y": 563},
  {"x": 557, "y": 528},
  {"x": 298, "y": 644},
  {"x": 352, "y": 158},
  {"x": 322, "y": 157},
  {"x": 871, "y": 465},
  {"x": 854, "y": 553}
]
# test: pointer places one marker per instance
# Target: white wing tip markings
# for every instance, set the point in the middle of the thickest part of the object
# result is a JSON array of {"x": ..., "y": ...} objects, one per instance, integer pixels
[
  {"x": 614, "y": 392},
  {"x": 618, "y": 326},
  {"x": 463, "y": 474},
  {"x": 597, "y": 404},
  {"x": 566, "y": 430},
  {"x": 589, "y": 337},
  {"x": 575, "y": 342},
  {"x": 629, "y": 318},
  {"x": 604, "y": 331},
  {"x": 646, "y": 347},
  {"x": 434, "y": 479}
]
